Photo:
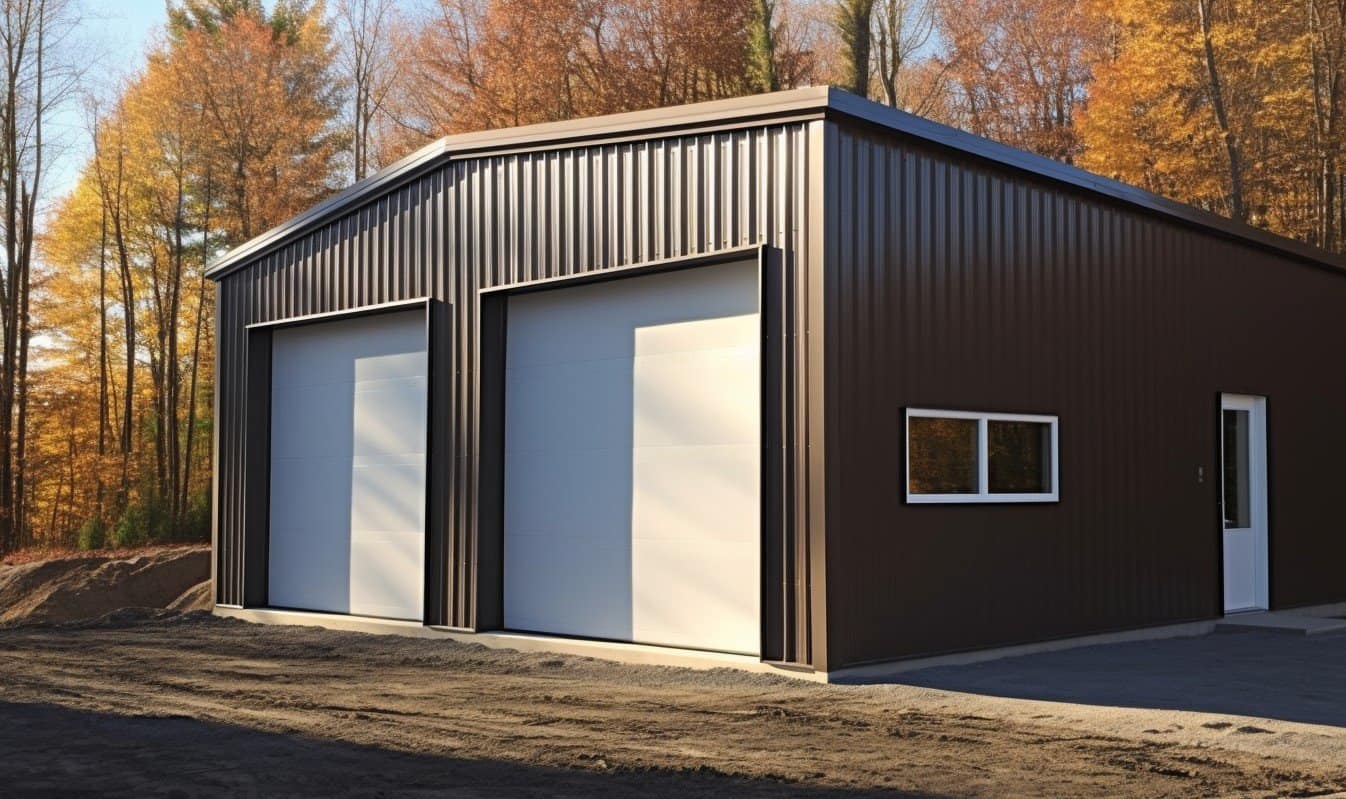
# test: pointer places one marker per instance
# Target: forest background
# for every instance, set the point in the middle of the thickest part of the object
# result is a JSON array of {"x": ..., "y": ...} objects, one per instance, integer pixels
[{"x": 241, "y": 113}]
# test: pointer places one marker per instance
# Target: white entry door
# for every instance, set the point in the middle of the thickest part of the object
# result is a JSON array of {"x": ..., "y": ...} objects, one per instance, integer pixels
[
  {"x": 348, "y": 443},
  {"x": 632, "y": 431},
  {"x": 1243, "y": 448}
]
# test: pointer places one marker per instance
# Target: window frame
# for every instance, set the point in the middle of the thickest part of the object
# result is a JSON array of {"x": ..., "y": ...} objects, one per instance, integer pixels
[{"x": 983, "y": 494}]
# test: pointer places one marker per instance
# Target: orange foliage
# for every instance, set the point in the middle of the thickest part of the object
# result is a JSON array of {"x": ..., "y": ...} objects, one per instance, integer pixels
[{"x": 480, "y": 64}]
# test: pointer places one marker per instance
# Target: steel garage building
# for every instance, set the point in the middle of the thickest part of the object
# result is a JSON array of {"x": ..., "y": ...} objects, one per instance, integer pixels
[{"x": 795, "y": 377}]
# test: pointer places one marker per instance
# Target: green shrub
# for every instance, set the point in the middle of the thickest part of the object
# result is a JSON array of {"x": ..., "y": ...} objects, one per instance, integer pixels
[
  {"x": 143, "y": 521},
  {"x": 196, "y": 522},
  {"x": 92, "y": 534},
  {"x": 147, "y": 520}
]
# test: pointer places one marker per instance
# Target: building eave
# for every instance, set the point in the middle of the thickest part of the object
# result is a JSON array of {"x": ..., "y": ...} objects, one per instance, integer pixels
[{"x": 797, "y": 103}]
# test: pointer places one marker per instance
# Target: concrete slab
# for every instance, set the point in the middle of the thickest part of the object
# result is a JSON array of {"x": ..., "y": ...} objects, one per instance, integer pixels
[
  {"x": 1287, "y": 622},
  {"x": 525, "y": 642},
  {"x": 1258, "y": 673}
]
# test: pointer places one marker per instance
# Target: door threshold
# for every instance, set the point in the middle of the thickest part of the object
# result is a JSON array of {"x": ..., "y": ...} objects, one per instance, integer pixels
[{"x": 1280, "y": 622}]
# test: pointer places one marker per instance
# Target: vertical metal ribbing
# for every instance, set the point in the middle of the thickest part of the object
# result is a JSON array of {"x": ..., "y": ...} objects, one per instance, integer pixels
[{"x": 484, "y": 221}]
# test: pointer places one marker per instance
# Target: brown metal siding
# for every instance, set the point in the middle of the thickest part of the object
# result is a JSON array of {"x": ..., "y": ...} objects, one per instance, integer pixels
[
  {"x": 487, "y": 221},
  {"x": 953, "y": 283}
]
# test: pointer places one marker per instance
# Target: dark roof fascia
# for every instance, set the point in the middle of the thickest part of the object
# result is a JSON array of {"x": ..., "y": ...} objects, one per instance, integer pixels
[
  {"x": 844, "y": 105},
  {"x": 672, "y": 120}
]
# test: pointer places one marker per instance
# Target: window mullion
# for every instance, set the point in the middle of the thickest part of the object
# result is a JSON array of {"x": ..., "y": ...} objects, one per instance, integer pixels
[{"x": 983, "y": 458}]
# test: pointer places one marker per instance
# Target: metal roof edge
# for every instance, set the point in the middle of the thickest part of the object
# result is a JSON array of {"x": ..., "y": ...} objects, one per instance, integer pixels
[
  {"x": 822, "y": 99},
  {"x": 381, "y": 181},
  {"x": 849, "y": 105},
  {"x": 650, "y": 121}
]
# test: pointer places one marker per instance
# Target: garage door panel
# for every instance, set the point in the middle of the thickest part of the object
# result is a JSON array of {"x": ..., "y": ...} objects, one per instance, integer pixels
[
  {"x": 533, "y": 341},
  {"x": 571, "y": 493},
  {"x": 314, "y": 357},
  {"x": 380, "y": 563},
  {"x": 384, "y": 411},
  {"x": 314, "y": 577},
  {"x": 309, "y": 360},
  {"x": 695, "y": 335},
  {"x": 388, "y": 496},
  {"x": 312, "y": 421},
  {"x": 583, "y": 591},
  {"x": 295, "y": 480},
  {"x": 395, "y": 365},
  {"x": 696, "y": 494},
  {"x": 632, "y": 460},
  {"x": 695, "y": 596},
  {"x": 347, "y": 521},
  {"x": 716, "y": 293},
  {"x": 704, "y": 397},
  {"x": 342, "y": 351},
  {"x": 580, "y": 405}
]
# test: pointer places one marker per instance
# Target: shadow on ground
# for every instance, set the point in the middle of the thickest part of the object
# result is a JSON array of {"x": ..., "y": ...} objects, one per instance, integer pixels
[
  {"x": 51, "y": 751},
  {"x": 1272, "y": 675}
]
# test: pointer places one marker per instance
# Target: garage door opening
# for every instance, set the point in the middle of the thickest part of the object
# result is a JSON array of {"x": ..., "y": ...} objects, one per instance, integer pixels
[
  {"x": 632, "y": 460},
  {"x": 347, "y": 484}
]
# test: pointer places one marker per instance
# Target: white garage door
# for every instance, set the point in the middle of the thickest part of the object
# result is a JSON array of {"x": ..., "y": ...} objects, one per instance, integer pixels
[
  {"x": 348, "y": 440},
  {"x": 632, "y": 464}
]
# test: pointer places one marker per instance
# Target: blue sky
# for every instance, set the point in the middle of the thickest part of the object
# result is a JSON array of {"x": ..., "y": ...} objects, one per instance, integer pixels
[
  {"x": 113, "y": 35},
  {"x": 129, "y": 23}
]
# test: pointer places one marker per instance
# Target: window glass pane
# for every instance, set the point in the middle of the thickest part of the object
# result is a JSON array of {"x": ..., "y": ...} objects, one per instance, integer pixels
[
  {"x": 942, "y": 455},
  {"x": 1020, "y": 456},
  {"x": 1236, "y": 486}
]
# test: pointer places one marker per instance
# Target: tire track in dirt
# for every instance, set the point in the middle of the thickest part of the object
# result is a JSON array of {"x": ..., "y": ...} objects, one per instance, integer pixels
[{"x": 503, "y": 713}]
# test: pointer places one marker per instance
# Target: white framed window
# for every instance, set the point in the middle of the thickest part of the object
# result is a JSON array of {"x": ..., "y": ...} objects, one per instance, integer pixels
[{"x": 963, "y": 456}]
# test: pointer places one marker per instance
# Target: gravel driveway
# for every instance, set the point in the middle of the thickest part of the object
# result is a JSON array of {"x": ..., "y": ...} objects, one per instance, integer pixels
[{"x": 160, "y": 704}]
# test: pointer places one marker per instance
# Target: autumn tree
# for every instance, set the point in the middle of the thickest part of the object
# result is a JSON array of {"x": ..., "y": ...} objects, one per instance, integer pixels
[
  {"x": 1020, "y": 69},
  {"x": 1213, "y": 103},
  {"x": 108, "y": 172},
  {"x": 75, "y": 394},
  {"x": 491, "y": 63},
  {"x": 1325, "y": 35},
  {"x": 34, "y": 82},
  {"x": 269, "y": 94},
  {"x": 231, "y": 127}
]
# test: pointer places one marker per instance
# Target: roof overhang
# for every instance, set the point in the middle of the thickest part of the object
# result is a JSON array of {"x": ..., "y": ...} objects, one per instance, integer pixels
[{"x": 794, "y": 105}]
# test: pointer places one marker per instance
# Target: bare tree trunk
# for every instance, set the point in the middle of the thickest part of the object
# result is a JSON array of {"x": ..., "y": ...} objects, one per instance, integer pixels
[
  {"x": 25, "y": 334},
  {"x": 853, "y": 19},
  {"x": 369, "y": 65},
  {"x": 9, "y": 295},
  {"x": 1327, "y": 52},
  {"x": 1231, "y": 143},
  {"x": 196, "y": 344},
  {"x": 129, "y": 321},
  {"x": 24, "y": 29},
  {"x": 111, "y": 187},
  {"x": 102, "y": 359},
  {"x": 762, "y": 47},
  {"x": 29, "y": 207},
  {"x": 903, "y": 27}
]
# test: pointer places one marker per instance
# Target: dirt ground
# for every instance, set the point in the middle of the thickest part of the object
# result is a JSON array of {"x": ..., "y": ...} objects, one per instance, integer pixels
[
  {"x": 156, "y": 703},
  {"x": 87, "y": 585}
]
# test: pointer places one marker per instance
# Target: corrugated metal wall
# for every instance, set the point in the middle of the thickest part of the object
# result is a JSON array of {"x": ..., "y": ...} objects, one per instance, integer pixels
[
  {"x": 956, "y": 284},
  {"x": 489, "y": 220}
]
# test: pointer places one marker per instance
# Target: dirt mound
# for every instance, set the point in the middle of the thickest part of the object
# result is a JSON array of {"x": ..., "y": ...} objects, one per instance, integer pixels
[
  {"x": 89, "y": 586},
  {"x": 198, "y": 597}
]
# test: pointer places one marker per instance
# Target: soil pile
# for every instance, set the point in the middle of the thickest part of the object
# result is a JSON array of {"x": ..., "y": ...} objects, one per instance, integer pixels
[{"x": 87, "y": 586}]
